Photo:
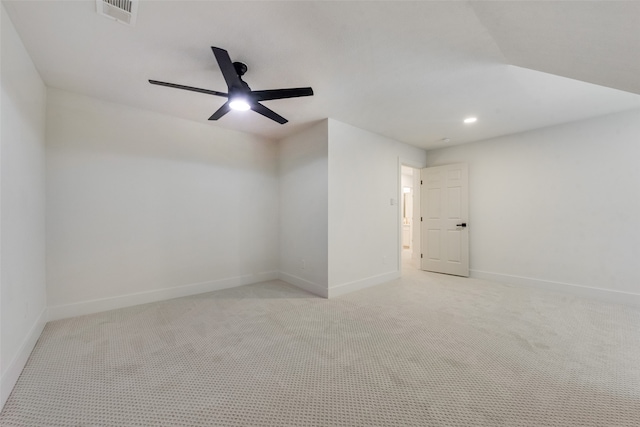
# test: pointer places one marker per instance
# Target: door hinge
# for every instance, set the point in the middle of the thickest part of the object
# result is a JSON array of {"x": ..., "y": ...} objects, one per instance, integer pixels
[
  {"x": 420, "y": 182},
  {"x": 420, "y": 255},
  {"x": 420, "y": 219}
]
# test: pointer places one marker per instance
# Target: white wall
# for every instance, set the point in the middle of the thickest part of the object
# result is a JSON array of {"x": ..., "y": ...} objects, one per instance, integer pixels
[
  {"x": 142, "y": 206},
  {"x": 364, "y": 227},
  {"x": 22, "y": 207},
  {"x": 557, "y": 206},
  {"x": 303, "y": 209}
]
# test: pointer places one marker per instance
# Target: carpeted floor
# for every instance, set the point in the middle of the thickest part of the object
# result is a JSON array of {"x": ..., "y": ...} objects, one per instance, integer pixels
[{"x": 427, "y": 350}]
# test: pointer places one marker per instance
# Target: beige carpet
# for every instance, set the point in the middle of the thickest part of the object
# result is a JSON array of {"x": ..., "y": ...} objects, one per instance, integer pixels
[{"x": 428, "y": 350}]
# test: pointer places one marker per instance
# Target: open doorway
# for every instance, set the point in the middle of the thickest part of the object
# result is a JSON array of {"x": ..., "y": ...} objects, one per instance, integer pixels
[{"x": 409, "y": 217}]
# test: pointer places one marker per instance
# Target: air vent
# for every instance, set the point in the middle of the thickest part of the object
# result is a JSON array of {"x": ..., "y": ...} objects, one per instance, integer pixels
[{"x": 124, "y": 11}]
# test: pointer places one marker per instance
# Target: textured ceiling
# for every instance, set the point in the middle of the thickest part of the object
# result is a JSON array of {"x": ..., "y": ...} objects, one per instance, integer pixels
[{"x": 407, "y": 70}]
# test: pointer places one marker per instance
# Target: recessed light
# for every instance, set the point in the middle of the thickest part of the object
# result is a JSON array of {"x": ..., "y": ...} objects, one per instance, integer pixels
[{"x": 470, "y": 120}]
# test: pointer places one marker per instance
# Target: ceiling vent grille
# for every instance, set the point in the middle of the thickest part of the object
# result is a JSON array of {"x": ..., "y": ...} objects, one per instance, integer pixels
[{"x": 124, "y": 11}]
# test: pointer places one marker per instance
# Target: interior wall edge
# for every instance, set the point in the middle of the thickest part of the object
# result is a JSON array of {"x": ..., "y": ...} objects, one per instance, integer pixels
[
  {"x": 367, "y": 282},
  {"x": 104, "y": 304},
  {"x": 304, "y": 284},
  {"x": 602, "y": 295},
  {"x": 11, "y": 375}
]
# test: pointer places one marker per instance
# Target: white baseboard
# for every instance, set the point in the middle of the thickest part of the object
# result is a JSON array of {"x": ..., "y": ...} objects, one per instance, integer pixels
[
  {"x": 104, "y": 304},
  {"x": 301, "y": 283},
  {"x": 568, "y": 288},
  {"x": 356, "y": 285},
  {"x": 10, "y": 377}
]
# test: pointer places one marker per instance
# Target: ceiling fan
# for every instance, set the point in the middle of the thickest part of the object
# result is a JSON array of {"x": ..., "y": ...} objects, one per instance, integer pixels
[{"x": 239, "y": 95}]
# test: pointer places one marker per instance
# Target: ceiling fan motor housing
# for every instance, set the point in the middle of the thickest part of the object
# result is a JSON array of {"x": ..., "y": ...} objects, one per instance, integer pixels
[{"x": 240, "y": 67}]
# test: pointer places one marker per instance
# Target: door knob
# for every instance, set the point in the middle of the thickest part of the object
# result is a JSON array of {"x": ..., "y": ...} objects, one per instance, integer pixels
[{"x": 463, "y": 225}]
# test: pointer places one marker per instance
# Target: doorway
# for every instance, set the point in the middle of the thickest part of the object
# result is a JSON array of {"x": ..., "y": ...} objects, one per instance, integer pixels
[{"x": 409, "y": 217}]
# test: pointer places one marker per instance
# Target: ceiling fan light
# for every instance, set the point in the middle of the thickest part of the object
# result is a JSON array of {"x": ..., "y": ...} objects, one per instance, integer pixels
[{"x": 239, "y": 104}]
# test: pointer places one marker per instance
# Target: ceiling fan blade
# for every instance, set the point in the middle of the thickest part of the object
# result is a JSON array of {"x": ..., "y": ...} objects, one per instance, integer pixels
[
  {"x": 227, "y": 68},
  {"x": 221, "y": 111},
  {"x": 266, "y": 95},
  {"x": 193, "y": 89},
  {"x": 270, "y": 114}
]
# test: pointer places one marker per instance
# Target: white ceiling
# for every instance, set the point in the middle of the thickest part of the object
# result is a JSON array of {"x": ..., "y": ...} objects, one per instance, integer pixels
[{"x": 407, "y": 70}]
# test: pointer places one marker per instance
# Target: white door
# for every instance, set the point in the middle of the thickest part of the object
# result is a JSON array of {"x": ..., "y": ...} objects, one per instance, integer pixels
[{"x": 444, "y": 213}]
